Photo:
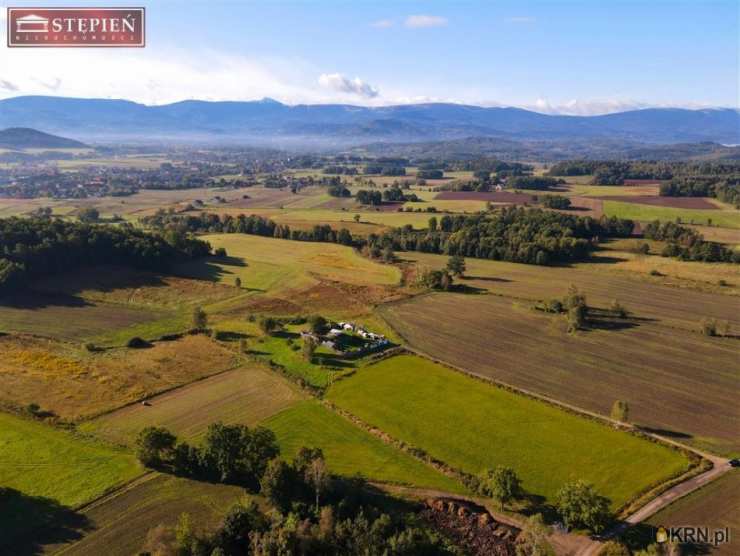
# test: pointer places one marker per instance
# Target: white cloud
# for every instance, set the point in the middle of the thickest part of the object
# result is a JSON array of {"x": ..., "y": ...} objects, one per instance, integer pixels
[
  {"x": 157, "y": 76},
  {"x": 340, "y": 83},
  {"x": 8, "y": 86},
  {"x": 424, "y": 21},
  {"x": 383, "y": 23}
]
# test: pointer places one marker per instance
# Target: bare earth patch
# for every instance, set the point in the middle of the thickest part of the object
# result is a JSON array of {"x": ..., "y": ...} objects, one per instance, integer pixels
[
  {"x": 493, "y": 197},
  {"x": 657, "y": 201}
]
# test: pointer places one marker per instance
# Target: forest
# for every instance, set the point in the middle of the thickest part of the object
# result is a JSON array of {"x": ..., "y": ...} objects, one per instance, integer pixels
[{"x": 35, "y": 247}]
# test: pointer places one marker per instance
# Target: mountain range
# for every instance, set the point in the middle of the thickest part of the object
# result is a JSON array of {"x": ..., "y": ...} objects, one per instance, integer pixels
[{"x": 272, "y": 123}]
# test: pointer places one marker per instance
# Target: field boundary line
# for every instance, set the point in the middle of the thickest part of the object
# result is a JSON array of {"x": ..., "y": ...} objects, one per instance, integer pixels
[
  {"x": 116, "y": 491},
  {"x": 160, "y": 392},
  {"x": 416, "y": 453},
  {"x": 697, "y": 458}
]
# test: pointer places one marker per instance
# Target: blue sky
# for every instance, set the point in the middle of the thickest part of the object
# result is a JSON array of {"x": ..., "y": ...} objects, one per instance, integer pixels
[{"x": 570, "y": 57}]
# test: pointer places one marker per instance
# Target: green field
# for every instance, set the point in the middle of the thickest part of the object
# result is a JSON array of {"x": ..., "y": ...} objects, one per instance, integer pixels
[
  {"x": 678, "y": 381},
  {"x": 53, "y": 469},
  {"x": 635, "y": 211},
  {"x": 349, "y": 450},
  {"x": 474, "y": 426},
  {"x": 245, "y": 395},
  {"x": 118, "y": 527}
]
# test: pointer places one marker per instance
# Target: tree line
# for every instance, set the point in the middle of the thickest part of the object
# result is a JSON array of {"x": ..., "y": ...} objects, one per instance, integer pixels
[
  {"x": 616, "y": 172},
  {"x": 313, "y": 511},
  {"x": 531, "y": 236},
  {"x": 687, "y": 244},
  {"x": 514, "y": 234},
  {"x": 206, "y": 222},
  {"x": 35, "y": 247}
]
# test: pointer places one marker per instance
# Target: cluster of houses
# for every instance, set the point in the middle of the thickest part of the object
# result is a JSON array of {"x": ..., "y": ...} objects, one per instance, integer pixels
[{"x": 332, "y": 339}]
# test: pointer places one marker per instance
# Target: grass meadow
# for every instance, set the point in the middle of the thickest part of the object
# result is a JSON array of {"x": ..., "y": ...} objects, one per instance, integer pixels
[
  {"x": 268, "y": 265},
  {"x": 474, "y": 426},
  {"x": 349, "y": 450},
  {"x": 52, "y": 469},
  {"x": 729, "y": 218}
]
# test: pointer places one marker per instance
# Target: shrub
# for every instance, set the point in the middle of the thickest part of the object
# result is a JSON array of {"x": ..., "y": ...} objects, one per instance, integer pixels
[
  {"x": 708, "y": 326},
  {"x": 138, "y": 343}
]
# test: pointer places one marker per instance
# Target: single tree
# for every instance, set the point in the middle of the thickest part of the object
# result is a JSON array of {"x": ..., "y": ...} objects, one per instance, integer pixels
[
  {"x": 357, "y": 218},
  {"x": 579, "y": 505},
  {"x": 238, "y": 282},
  {"x": 318, "y": 324},
  {"x": 456, "y": 265},
  {"x": 318, "y": 476},
  {"x": 200, "y": 319},
  {"x": 503, "y": 485},
  {"x": 309, "y": 348},
  {"x": 433, "y": 224},
  {"x": 269, "y": 325},
  {"x": 620, "y": 411},
  {"x": 278, "y": 484},
  {"x": 154, "y": 445},
  {"x": 185, "y": 535},
  {"x": 576, "y": 318},
  {"x": 709, "y": 326},
  {"x": 89, "y": 215}
]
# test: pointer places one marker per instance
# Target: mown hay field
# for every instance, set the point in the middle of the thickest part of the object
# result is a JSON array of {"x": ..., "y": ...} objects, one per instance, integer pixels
[
  {"x": 475, "y": 426},
  {"x": 109, "y": 305},
  {"x": 267, "y": 265},
  {"x": 716, "y": 506},
  {"x": 119, "y": 525},
  {"x": 349, "y": 450},
  {"x": 246, "y": 395},
  {"x": 679, "y": 381},
  {"x": 72, "y": 317},
  {"x": 52, "y": 469},
  {"x": 74, "y": 384}
]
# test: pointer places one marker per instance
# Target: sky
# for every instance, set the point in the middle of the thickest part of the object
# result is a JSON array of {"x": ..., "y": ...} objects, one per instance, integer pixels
[{"x": 587, "y": 57}]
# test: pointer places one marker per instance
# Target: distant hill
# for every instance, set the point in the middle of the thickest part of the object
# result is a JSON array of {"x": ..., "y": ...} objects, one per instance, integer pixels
[
  {"x": 268, "y": 122},
  {"x": 27, "y": 138},
  {"x": 594, "y": 149}
]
